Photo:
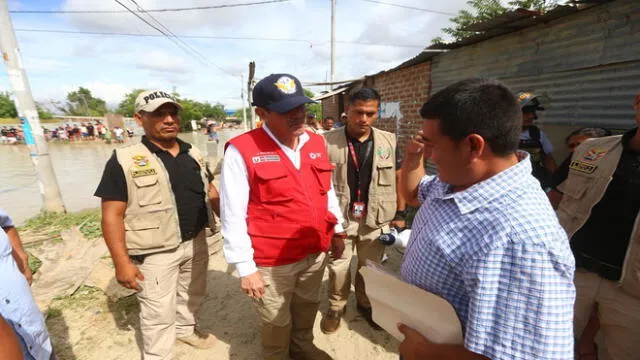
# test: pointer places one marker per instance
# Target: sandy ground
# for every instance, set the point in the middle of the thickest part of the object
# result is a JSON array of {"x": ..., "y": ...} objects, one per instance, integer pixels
[{"x": 89, "y": 325}]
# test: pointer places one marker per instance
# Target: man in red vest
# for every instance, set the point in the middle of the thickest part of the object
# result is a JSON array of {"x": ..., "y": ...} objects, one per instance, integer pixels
[{"x": 280, "y": 216}]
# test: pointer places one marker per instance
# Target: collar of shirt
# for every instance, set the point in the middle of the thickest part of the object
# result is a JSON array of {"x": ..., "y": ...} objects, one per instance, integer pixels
[
  {"x": 626, "y": 140},
  {"x": 481, "y": 193},
  {"x": 184, "y": 147},
  {"x": 302, "y": 139}
]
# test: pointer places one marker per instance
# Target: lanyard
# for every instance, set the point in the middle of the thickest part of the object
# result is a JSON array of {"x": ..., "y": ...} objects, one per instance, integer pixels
[{"x": 354, "y": 157}]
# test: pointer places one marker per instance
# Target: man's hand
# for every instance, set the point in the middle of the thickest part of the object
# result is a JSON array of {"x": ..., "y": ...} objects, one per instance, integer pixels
[
  {"x": 399, "y": 224},
  {"x": 23, "y": 266},
  {"x": 414, "y": 345},
  {"x": 253, "y": 285},
  {"x": 337, "y": 245},
  {"x": 417, "y": 144},
  {"x": 128, "y": 275}
]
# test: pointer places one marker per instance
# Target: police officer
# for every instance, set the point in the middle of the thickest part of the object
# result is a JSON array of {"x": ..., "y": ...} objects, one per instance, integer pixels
[
  {"x": 534, "y": 141},
  {"x": 279, "y": 216},
  {"x": 157, "y": 198},
  {"x": 600, "y": 210},
  {"x": 365, "y": 181}
]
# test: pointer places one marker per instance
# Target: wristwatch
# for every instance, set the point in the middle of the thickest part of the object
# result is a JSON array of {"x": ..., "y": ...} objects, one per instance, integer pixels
[{"x": 400, "y": 215}]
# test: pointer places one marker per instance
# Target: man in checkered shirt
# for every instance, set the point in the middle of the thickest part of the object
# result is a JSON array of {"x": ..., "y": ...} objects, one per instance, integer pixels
[{"x": 485, "y": 238}]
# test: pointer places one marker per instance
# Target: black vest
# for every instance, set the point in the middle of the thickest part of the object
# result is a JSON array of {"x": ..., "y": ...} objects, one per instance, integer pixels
[{"x": 533, "y": 146}]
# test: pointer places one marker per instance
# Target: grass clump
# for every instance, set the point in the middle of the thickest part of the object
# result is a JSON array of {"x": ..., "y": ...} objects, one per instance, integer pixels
[
  {"x": 34, "y": 263},
  {"x": 52, "y": 223}
]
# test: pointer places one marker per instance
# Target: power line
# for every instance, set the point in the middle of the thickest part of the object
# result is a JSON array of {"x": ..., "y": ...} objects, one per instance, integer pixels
[
  {"x": 160, "y": 31},
  {"x": 203, "y": 58},
  {"x": 410, "y": 7},
  {"x": 193, "y": 8},
  {"x": 215, "y": 37}
]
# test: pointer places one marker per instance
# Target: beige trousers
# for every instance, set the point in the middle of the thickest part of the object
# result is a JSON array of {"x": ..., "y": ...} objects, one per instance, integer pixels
[
  {"x": 174, "y": 284},
  {"x": 364, "y": 240},
  {"x": 619, "y": 314},
  {"x": 289, "y": 306}
]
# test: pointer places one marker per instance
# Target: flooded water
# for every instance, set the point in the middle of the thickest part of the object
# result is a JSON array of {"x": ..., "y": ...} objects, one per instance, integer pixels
[{"x": 78, "y": 167}]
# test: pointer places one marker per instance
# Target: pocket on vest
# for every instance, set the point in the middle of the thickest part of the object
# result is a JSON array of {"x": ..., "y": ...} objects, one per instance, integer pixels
[
  {"x": 273, "y": 230},
  {"x": 386, "y": 211},
  {"x": 273, "y": 183},
  {"x": 147, "y": 190},
  {"x": 323, "y": 174},
  {"x": 386, "y": 174}
]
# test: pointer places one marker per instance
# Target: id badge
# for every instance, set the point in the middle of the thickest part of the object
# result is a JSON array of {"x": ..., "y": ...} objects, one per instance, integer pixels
[{"x": 358, "y": 210}]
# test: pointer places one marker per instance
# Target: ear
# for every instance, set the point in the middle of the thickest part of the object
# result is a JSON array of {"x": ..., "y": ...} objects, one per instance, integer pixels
[
  {"x": 261, "y": 113},
  {"x": 138, "y": 119},
  {"x": 477, "y": 146}
]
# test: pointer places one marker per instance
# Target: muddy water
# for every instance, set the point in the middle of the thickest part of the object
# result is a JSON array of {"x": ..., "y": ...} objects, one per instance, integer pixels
[{"x": 78, "y": 167}]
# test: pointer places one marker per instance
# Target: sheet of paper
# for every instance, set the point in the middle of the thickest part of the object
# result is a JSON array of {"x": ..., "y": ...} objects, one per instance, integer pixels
[{"x": 394, "y": 301}]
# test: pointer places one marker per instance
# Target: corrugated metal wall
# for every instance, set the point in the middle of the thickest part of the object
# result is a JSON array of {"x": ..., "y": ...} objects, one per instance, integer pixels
[{"x": 586, "y": 66}]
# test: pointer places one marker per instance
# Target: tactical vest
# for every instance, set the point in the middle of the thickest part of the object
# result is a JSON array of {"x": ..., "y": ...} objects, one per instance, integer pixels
[
  {"x": 151, "y": 218},
  {"x": 592, "y": 167},
  {"x": 533, "y": 146},
  {"x": 381, "y": 206},
  {"x": 287, "y": 216}
]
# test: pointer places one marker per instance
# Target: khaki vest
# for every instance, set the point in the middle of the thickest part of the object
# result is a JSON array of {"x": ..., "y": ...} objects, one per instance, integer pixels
[
  {"x": 151, "y": 218},
  {"x": 592, "y": 167},
  {"x": 381, "y": 207}
]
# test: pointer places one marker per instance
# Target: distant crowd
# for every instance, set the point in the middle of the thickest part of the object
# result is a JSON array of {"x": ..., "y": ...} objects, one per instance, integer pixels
[{"x": 88, "y": 131}]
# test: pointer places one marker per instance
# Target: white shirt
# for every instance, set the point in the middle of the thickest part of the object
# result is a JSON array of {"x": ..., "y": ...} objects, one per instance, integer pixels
[
  {"x": 234, "y": 201},
  {"x": 544, "y": 140}
]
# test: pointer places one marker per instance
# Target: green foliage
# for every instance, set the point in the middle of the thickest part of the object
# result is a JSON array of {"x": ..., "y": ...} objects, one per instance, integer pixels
[
  {"x": 195, "y": 110},
  {"x": 34, "y": 263},
  {"x": 313, "y": 108},
  {"x": 82, "y": 103},
  {"x": 43, "y": 113},
  {"x": 484, "y": 10},
  {"x": 127, "y": 105},
  {"x": 238, "y": 113},
  {"x": 7, "y": 107},
  {"x": 53, "y": 223}
]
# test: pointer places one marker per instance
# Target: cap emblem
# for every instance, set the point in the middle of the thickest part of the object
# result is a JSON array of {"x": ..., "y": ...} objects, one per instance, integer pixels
[{"x": 286, "y": 84}]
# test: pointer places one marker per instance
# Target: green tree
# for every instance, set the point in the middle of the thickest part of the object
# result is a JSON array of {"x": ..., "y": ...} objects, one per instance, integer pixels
[
  {"x": 127, "y": 105},
  {"x": 483, "y": 10},
  {"x": 7, "y": 107},
  {"x": 313, "y": 108},
  {"x": 43, "y": 113},
  {"x": 238, "y": 113},
  {"x": 82, "y": 103}
]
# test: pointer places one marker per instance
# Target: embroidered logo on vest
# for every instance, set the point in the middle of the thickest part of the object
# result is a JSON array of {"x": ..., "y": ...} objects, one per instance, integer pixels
[
  {"x": 265, "y": 158},
  {"x": 383, "y": 154},
  {"x": 594, "y": 154},
  {"x": 140, "y": 161}
]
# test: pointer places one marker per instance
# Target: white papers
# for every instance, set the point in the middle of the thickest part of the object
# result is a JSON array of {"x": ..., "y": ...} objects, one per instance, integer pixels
[{"x": 394, "y": 301}]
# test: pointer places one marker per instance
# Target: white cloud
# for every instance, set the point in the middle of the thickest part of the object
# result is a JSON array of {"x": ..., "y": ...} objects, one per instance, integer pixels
[{"x": 161, "y": 61}]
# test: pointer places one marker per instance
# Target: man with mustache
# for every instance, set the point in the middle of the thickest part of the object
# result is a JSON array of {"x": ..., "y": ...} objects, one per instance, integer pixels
[
  {"x": 157, "y": 199},
  {"x": 280, "y": 216}
]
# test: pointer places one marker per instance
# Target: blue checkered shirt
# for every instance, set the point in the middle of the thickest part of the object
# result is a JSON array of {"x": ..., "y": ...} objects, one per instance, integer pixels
[{"x": 497, "y": 253}]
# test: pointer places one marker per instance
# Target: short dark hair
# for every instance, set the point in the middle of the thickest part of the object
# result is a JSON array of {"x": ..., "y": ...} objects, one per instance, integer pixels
[
  {"x": 364, "y": 94},
  {"x": 485, "y": 107},
  {"x": 329, "y": 118}
]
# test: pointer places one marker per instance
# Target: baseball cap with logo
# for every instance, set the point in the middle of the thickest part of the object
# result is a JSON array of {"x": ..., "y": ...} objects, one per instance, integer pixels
[
  {"x": 150, "y": 100},
  {"x": 528, "y": 101},
  {"x": 280, "y": 93}
]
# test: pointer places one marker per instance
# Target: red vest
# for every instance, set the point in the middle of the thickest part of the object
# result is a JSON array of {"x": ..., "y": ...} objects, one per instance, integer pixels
[{"x": 287, "y": 216}]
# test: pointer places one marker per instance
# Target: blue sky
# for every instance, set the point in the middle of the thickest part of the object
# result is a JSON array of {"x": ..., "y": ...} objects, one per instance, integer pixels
[{"x": 110, "y": 66}]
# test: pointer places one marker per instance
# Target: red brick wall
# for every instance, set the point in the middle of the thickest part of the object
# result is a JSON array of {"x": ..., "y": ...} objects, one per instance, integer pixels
[{"x": 410, "y": 87}]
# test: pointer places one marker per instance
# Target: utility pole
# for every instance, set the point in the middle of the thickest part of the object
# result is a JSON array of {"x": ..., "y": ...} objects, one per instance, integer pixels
[
  {"x": 28, "y": 113},
  {"x": 244, "y": 108},
  {"x": 250, "y": 84},
  {"x": 333, "y": 40}
]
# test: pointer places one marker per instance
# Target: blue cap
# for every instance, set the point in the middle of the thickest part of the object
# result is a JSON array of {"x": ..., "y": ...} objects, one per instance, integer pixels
[{"x": 280, "y": 93}]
